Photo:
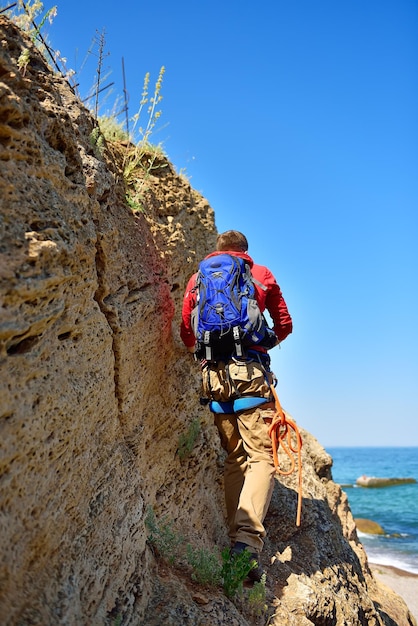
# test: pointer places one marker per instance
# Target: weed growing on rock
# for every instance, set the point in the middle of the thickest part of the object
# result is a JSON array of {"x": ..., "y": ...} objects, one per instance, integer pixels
[
  {"x": 257, "y": 597},
  {"x": 153, "y": 102},
  {"x": 23, "y": 60},
  {"x": 209, "y": 568},
  {"x": 143, "y": 159},
  {"x": 206, "y": 566},
  {"x": 187, "y": 440},
  {"x": 133, "y": 204},
  {"x": 235, "y": 569},
  {"x": 97, "y": 141},
  {"x": 108, "y": 129},
  {"x": 24, "y": 14},
  {"x": 135, "y": 158},
  {"x": 163, "y": 537},
  {"x": 112, "y": 129}
]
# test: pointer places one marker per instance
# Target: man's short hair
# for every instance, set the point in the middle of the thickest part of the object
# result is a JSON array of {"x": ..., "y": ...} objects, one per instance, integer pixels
[{"x": 232, "y": 240}]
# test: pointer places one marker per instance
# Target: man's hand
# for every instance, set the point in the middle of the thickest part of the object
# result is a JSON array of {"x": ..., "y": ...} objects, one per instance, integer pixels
[{"x": 190, "y": 349}]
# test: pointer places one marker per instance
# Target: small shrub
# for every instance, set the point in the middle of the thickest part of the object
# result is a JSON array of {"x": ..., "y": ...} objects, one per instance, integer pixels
[
  {"x": 153, "y": 102},
  {"x": 133, "y": 204},
  {"x": 235, "y": 569},
  {"x": 111, "y": 129},
  {"x": 24, "y": 14},
  {"x": 97, "y": 141},
  {"x": 144, "y": 158},
  {"x": 206, "y": 566},
  {"x": 163, "y": 537},
  {"x": 188, "y": 439},
  {"x": 257, "y": 597},
  {"x": 23, "y": 60},
  {"x": 144, "y": 155}
]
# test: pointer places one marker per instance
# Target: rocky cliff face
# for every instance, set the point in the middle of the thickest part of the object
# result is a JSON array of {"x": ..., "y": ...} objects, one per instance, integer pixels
[{"x": 96, "y": 390}]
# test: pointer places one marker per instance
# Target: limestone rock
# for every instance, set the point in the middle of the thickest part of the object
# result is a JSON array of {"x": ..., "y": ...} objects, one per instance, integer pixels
[
  {"x": 96, "y": 389},
  {"x": 369, "y": 526},
  {"x": 376, "y": 481}
]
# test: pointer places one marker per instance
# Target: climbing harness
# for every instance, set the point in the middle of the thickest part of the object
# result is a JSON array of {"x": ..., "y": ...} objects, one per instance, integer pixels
[
  {"x": 280, "y": 432},
  {"x": 234, "y": 406}
]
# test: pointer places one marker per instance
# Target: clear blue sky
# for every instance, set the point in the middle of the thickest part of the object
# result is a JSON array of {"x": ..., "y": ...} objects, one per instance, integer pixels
[{"x": 298, "y": 121}]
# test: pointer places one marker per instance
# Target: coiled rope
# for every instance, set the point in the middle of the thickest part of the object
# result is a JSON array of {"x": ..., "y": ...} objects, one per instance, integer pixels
[{"x": 280, "y": 432}]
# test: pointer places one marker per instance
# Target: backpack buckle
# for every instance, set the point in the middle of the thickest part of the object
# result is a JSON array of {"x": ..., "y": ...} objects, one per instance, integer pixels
[
  {"x": 206, "y": 341},
  {"x": 237, "y": 340}
]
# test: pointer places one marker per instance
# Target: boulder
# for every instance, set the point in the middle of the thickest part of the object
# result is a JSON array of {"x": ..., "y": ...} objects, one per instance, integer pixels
[
  {"x": 374, "y": 481},
  {"x": 368, "y": 526}
]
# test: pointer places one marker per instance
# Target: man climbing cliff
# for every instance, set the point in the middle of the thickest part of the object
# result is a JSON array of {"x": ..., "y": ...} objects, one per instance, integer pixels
[{"x": 236, "y": 379}]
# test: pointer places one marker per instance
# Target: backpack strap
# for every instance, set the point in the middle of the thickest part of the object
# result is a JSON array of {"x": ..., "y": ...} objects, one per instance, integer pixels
[
  {"x": 257, "y": 282},
  {"x": 207, "y": 348},
  {"x": 264, "y": 359},
  {"x": 237, "y": 341}
]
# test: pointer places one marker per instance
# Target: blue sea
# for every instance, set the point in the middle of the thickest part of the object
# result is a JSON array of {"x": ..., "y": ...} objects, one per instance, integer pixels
[{"x": 395, "y": 508}]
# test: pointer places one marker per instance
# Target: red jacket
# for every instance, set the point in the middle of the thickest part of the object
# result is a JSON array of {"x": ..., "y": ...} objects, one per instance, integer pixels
[{"x": 270, "y": 299}]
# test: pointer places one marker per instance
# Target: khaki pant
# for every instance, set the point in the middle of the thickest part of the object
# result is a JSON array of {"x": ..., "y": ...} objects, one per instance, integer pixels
[{"x": 249, "y": 469}]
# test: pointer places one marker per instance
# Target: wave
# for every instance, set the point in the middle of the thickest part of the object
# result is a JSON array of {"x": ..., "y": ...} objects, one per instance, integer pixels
[{"x": 402, "y": 561}]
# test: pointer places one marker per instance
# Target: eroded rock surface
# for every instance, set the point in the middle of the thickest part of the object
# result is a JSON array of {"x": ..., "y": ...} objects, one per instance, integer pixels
[{"x": 96, "y": 389}]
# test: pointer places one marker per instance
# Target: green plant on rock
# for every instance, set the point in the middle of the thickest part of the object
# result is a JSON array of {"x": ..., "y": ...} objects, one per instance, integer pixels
[
  {"x": 23, "y": 60},
  {"x": 24, "y": 14},
  {"x": 163, "y": 537},
  {"x": 152, "y": 111},
  {"x": 140, "y": 162},
  {"x": 235, "y": 569},
  {"x": 187, "y": 440},
  {"x": 257, "y": 597},
  {"x": 145, "y": 158},
  {"x": 206, "y": 566},
  {"x": 144, "y": 155},
  {"x": 111, "y": 129},
  {"x": 134, "y": 204},
  {"x": 97, "y": 141}
]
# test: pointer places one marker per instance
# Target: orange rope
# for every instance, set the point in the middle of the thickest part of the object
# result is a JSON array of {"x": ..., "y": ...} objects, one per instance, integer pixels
[{"x": 280, "y": 432}]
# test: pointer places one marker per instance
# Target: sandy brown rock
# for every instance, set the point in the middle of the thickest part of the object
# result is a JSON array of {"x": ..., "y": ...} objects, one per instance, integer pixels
[
  {"x": 96, "y": 389},
  {"x": 375, "y": 482},
  {"x": 368, "y": 526}
]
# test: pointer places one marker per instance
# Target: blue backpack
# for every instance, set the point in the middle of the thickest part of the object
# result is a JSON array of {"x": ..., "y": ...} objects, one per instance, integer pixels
[{"x": 227, "y": 318}]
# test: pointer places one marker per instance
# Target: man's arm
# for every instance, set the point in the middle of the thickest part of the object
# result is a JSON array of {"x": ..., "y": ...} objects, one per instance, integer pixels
[
  {"x": 277, "y": 307},
  {"x": 189, "y": 302}
]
